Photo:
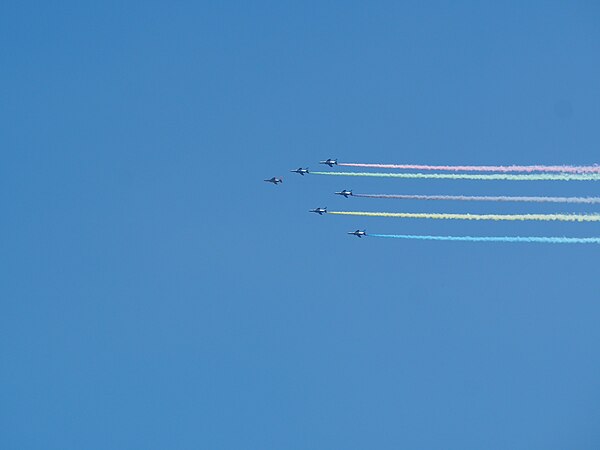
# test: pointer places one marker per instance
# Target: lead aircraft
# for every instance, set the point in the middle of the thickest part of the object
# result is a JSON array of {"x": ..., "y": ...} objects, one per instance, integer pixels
[{"x": 274, "y": 180}]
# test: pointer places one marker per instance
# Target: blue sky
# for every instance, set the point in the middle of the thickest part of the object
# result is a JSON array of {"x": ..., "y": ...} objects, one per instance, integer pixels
[{"x": 157, "y": 294}]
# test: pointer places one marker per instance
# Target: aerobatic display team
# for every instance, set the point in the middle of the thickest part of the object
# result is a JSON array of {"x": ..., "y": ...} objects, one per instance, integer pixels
[{"x": 471, "y": 172}]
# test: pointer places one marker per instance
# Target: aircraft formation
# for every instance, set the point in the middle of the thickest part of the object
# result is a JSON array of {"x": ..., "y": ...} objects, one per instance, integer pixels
[
  {"x": 320, "y": 211},
  {"x": 503, "y": 173}
]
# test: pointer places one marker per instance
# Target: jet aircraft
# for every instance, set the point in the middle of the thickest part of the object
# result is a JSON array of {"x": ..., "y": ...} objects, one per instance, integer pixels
[
  {"x": 330, "y": 162},
  {"x": 319, "y": 211},
  {"x": 358, "y": 233},
  {"x": 274, "y": 180},
  {"x": 300, "y": 170},
  {"x": 345, "y": 193}
]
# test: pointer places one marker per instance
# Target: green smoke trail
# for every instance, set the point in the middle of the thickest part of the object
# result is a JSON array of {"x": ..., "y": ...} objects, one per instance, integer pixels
[{"x": 455, "y": 176}]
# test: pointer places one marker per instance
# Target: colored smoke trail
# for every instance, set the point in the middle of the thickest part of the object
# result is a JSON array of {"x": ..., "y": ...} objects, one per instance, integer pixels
[
  {"x": 511, "y": 217},
  {"x": 464, "y": 176},
  {"x": 547, "y": 240},
  {"x": 586, "y": 200},
  {"x": 502, "y": 169}
]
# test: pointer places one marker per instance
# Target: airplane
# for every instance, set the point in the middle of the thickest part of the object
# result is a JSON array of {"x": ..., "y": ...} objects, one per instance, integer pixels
[
  {"x": 358, "y": 233},
  {"x": 330, "y": 162},
  {"x": 319, "y": 211},
  {"x": 300, "y": 170},
  {"x": 274, "y": 180},
  {"x": 345, "y": 193}
]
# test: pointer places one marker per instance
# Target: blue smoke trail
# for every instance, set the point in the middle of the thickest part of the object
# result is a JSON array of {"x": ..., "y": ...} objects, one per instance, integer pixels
[{"x": 546, "y": 240}]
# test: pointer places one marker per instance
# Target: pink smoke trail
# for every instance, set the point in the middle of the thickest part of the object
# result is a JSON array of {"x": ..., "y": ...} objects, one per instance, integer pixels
[
  {"x": 585, "y": 200},
  {"x": 502, "y": 169}
]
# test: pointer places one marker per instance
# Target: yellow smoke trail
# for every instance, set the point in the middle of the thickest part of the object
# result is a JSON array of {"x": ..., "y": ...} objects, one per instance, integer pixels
[{"x": 512, "y": 217}]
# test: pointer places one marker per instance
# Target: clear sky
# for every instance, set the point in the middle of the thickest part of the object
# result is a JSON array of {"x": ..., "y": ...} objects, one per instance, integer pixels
[{"x": 156, "y": 293}]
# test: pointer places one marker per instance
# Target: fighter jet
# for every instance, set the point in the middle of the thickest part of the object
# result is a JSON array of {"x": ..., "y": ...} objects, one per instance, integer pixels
[
  {"x": 358, "y": 233},
  {"x": 330, "y": 162},
  {"x": 274, "y": 180},
  {"x": 300, "y": 170},
  {"x": 345, "y": 193},
  {"x": 319, "y": 211}
]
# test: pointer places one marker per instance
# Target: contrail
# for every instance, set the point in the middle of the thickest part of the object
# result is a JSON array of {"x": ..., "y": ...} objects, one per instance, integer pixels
[
  {"x": 511, "y": 217},
  {"x": 547, "y": 240},
  {"x": 503, "y": 169},
  {"x": 464, "y": 176},
  {"x": 586, "y": 200}
]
